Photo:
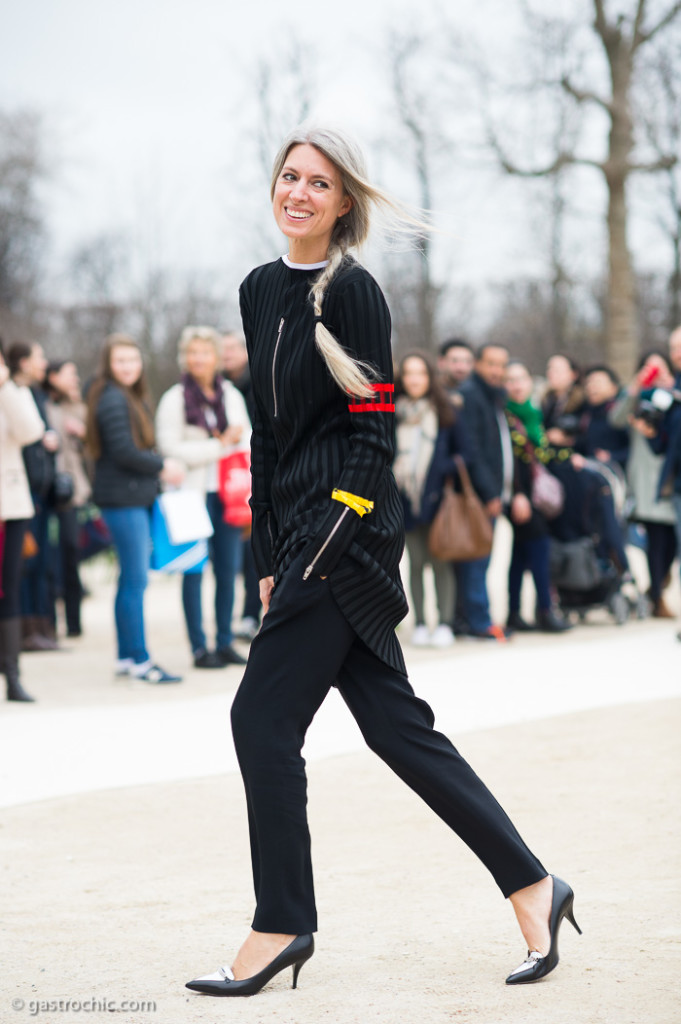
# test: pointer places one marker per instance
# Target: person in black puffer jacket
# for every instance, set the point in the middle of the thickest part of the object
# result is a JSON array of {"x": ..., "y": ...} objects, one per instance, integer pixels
[{"x": 120, "y": 438}]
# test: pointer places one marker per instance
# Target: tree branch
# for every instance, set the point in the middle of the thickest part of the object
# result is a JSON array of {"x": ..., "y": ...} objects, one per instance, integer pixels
[
  {"x": 638, "y": 21},
  {"x": 584, "y": 95},
  {"x": 602, "y": 26},
  {"x": 663, "y": 163},
  {"x": 561, "y": 160},
  {"x": 645, "y": 37}
]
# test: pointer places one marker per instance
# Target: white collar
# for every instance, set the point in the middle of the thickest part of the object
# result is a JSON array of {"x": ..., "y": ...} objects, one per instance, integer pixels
[{"x": 304, "y": 266}]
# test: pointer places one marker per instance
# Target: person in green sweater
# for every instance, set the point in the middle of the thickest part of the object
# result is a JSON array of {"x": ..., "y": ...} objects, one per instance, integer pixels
[{"x": 530, "y": 527}]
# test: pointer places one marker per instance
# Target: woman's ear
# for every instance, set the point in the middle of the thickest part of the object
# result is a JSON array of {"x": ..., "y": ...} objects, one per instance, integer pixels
[{"x": 346, "y": 205}]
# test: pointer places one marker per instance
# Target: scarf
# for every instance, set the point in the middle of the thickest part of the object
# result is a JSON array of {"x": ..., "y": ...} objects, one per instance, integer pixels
[
  {"x": 201, "y": 411},
  {"x": 417, "y": 429},
  {"x": 531, "y": 418}
]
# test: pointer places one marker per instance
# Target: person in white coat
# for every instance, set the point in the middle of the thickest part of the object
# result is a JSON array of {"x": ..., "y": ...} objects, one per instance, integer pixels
[
  {"x": 199, "y": 421},
  {"x": 20, "y": 424}
]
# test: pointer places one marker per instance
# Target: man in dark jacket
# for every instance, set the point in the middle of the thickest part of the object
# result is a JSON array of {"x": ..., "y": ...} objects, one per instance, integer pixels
[{"x": 491, "y": 470}]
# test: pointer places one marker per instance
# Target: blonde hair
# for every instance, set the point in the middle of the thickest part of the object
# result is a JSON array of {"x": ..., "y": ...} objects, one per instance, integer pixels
[
  {"x": 190, "y": 334},
  {"x": 350, "y": 231}
]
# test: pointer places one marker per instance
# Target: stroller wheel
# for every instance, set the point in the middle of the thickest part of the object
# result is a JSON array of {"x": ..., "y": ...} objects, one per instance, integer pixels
[
  {"x": 619, "y": 607},
  {"x": 643, "y": 607}
]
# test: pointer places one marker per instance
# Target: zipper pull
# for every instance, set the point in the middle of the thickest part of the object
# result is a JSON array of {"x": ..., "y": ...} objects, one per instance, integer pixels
[{"x": 308, "y": 571}]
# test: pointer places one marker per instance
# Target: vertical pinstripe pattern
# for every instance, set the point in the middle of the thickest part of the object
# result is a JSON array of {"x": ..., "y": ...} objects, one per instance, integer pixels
[{"x": 306, "y": 442}]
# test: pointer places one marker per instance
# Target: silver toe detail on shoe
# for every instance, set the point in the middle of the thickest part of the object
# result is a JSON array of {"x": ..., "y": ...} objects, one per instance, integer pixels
[
  {"x": 529, "y": 963},
  {"x": 222, "y": 974}
]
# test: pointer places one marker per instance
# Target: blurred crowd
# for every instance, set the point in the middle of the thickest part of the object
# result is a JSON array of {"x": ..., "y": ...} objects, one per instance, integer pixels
[
  {"x": 614, "y": 450},
  {"x": 82, "y": 466}
]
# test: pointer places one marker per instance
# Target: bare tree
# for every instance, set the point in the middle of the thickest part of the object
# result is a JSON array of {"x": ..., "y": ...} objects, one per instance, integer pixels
[
  {"x": 620, "y": 38},
  {"x": 417, "y": 142},
  {"x": 659, "y": 109},
  {"x": 22, "y": 224},
  {"x": 278, "y": 94}
]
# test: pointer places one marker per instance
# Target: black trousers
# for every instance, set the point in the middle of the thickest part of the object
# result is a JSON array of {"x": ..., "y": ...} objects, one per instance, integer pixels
[
  {"x": 661, "y": 552},
  {"x": 10, "y": 604},
  {"x": 304, "y": 647}
]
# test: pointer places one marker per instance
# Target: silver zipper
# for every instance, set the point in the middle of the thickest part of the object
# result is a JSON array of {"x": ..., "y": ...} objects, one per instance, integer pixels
[
  {"x": 274, "y": 362},
  {"x": 325, "y": 545},
  {"x": 269, "y": 529}
]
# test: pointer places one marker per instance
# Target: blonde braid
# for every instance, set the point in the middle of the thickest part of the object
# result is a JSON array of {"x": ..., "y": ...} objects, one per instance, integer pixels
[{"x": 352, "y": 376}]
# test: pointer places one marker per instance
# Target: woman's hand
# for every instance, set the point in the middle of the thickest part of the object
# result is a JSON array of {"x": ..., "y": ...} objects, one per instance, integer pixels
[
  {"x": 643, "y": 427},
  {"x": 74, "y": 427},
  {"x": 50, "y": 440},
  {"x": 232, "y": 435},
  {"x": 559, "y": 438},
  {"x": 521, "y": 509},
  {"x": 266, "y": 588},
  {"x": 172, "y": 472}
]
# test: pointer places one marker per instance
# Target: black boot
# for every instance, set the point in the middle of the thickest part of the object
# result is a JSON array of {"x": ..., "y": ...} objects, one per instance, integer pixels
[
  {"x": 552, "y": 621},
  {"x": 10, "y": 645},
  {"x": 518, "y": 624}
]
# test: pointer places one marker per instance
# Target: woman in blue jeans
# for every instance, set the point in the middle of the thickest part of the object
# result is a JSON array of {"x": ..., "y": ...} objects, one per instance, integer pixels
[
  {"x": 120, "y": 437},
  {"x": 200, "y": 421}
]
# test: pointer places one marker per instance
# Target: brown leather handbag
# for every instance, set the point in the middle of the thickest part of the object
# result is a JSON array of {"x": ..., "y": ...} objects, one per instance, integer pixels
[{"x": 461, "y": 530}]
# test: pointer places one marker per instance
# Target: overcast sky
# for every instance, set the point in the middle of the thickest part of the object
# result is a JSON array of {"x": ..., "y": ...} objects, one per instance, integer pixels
[{"x": 141, "y": 99}]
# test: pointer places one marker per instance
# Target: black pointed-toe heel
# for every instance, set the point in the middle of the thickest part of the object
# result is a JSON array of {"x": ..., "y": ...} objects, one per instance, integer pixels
[
  {"x": 223, "y": 982},
  {"x": 537, "y": 966}
]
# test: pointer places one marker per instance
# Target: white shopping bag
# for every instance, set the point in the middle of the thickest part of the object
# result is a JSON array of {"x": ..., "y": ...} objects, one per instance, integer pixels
[{"x": 186, "y": 516}]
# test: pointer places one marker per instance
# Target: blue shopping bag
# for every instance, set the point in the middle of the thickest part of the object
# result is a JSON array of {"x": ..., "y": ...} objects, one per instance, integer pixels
[{"x": 168, "y": 557}]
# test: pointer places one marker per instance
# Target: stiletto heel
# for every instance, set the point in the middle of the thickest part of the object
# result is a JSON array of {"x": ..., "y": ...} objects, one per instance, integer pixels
[
  {"x": 296, "y": 972},
  {"x": 223, "y": 982},
  {"x": 571, "y": 918},
  {"x": 537, "y": 966}
]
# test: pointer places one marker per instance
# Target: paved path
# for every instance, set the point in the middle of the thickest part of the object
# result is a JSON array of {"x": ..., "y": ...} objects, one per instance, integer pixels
[{"x": 89, "y": 732}]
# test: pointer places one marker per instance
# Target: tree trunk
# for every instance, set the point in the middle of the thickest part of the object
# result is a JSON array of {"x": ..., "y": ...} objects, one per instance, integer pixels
[
  {"x": 621, "y": 334},
  {"x": 621, "y": 331}
]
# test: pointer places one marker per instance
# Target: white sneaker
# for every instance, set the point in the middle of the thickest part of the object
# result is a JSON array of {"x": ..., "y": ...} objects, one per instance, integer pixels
[
  {"x": 246, "y": 629},
  {"x": 420, "y": 637},
  {"x": 442, "y": 636}
]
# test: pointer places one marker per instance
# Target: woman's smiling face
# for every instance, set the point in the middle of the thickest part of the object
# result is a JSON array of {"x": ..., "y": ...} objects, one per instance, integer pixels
[{"x": 308, "y": 200}]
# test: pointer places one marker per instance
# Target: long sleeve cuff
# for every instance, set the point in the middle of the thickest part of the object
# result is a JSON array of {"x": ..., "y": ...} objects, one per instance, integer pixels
[
  {"x": 333, "y": 538},
  {"x": 262, "y": 534}
]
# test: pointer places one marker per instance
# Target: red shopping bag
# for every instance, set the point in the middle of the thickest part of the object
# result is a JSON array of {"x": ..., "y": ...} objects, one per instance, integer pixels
[{"x": 234, "y": 488}]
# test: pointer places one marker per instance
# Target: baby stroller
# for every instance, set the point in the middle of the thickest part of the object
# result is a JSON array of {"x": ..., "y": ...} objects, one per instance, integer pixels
[{"x": 589, "y": 566}]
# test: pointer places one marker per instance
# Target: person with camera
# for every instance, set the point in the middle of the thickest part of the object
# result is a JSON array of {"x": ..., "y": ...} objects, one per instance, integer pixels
[
  {"x": 655, "y": 514},
  {"x": 664, "y": 437}
]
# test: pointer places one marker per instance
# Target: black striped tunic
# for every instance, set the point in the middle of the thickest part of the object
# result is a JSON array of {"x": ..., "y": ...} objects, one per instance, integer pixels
[{"x": 309, "y": 438}]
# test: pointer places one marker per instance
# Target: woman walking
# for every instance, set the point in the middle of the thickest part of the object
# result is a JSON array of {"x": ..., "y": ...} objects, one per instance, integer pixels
[
  {"x": 327, "y": 537},
  {"x": 120, "y": 434}
]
